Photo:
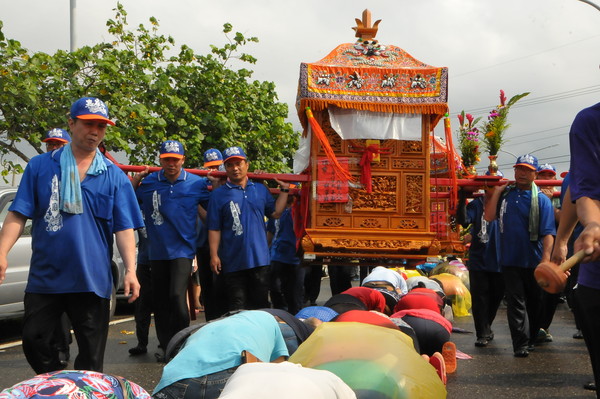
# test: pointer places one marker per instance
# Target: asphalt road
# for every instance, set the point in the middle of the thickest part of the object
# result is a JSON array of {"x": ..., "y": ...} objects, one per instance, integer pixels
[{"x": 554, "y": 370}]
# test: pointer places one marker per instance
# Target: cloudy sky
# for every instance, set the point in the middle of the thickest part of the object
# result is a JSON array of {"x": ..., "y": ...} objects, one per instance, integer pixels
[{"x": 550, "y": 48}]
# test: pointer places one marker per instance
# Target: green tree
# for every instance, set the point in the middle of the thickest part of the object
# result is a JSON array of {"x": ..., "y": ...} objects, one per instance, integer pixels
[{"x": 153, "y": 92}]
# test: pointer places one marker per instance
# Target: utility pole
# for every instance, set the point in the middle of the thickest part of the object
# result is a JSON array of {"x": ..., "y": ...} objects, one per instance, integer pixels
[{"x": 73, "y": 43}]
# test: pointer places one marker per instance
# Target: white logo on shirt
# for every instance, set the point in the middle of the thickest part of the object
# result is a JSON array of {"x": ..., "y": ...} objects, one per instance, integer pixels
[
  {"x": 237, "y": 228},
  {"x": 156, "y": 216},
  {"x": 53, "y": 218}
]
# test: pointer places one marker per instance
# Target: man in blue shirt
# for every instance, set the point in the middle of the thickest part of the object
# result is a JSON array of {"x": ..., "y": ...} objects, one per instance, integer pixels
[
  {"x": 286, "y": 275},
  {"x": 237, "y": 232},
  {"x": 171, "y": 201},
  {"x": 485, "y": 277},
  {"x": 584, "y": 140},
  {"x": 526, "y": 226},
  {"x": 214, "y": 306},
  {"x": 77, "y": 199}
]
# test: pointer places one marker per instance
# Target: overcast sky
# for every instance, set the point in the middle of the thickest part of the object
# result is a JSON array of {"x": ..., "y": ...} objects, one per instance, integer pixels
[{"x": 550, "y": 48}]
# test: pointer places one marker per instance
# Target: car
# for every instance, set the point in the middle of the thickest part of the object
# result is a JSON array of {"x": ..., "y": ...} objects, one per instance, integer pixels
[{"x": 12, "y": 290}]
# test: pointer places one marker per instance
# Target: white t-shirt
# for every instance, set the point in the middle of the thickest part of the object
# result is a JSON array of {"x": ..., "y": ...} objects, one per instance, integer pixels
[{"x": 284, "y": 380}]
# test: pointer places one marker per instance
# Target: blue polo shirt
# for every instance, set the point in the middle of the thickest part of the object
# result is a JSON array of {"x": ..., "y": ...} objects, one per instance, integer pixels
[
  {"x": 239, "y": 214},
  {"x": 72, "y": 252},
  {"x": 515, "y": 247},
  {"x": 171, "y": 211},
  {"x": 482, "y": 256},
  {"x": 585, "y": 179},
  {"x": 283, "y": 246}
]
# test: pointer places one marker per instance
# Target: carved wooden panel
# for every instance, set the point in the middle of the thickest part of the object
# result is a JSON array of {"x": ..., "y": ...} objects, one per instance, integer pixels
[
  {"x": 371, "y": 222},
  {"x": 382, "y": 164},
  {"x": 353, "y": 243},
  {"x": 334, "y": 221},
  {"x": 411, "y": 147},
  {"x": 410, "y": 163},
  {"x": 376, "y": 201},
  {"x": 384, "y": 183},
  {"x": 413, "y": 193},
  {"x": 408, "y": 223}
]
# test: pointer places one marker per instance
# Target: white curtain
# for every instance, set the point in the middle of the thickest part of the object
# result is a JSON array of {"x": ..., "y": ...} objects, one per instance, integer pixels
[{"x": 354, "y": 124}]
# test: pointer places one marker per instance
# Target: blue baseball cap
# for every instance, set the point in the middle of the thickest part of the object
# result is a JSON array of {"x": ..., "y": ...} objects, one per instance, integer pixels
[
  {"x": 527, "y": 160},
  {"x": 547, "y": 168},
  {"x": 57, "y": 135},
  {"x": 498, "y": 173},
  {"x": 234, "y": 152},
  {"x": 90, "y": 108},
  {"x": 212, "y": 157},
  {"x": 171, "y": 149}
]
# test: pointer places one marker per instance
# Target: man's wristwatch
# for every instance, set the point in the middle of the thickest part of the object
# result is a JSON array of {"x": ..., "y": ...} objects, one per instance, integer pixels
[{"x": 284, "y": 190}]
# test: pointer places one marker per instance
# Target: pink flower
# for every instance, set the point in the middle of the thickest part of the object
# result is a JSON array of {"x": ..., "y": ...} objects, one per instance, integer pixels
[
  {"x": 470, "y": 118},
  {"x": 502, "y": 98},
  {"x": 460, "y": 118}
]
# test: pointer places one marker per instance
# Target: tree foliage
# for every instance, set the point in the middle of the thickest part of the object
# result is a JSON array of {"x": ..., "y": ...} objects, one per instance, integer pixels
[{"x": 153, "y": 92}]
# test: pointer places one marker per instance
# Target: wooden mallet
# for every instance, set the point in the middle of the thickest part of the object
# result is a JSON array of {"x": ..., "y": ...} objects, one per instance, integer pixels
[{"x": 551, "y": 277}]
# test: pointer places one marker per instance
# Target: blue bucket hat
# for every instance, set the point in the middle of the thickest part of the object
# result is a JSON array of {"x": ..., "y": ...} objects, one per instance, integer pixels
[
  {"x": 212, "y": 157},
  {"x": 57, "y": 135},
  {"x": 171, "y": 149},
  {"x": 527, "y": 160},
  {"x": 90, "y": 108},
  {"x": 234, "y": 152}
]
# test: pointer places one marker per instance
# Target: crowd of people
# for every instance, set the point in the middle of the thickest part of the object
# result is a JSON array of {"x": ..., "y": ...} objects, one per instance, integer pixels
[{"x": 205, "y": 243}]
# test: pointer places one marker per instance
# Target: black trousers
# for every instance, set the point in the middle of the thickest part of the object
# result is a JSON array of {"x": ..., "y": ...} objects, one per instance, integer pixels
[
  {"x": 523, "y": 305},
  {"x": 340, "y": 279},
  {"x": 286, "y": 286},
  {"x": 588, "y": 309},
  {"x": 312, "y": 282},
  {"x": 208, "y": 285},
  {"x": 247, "y": 289},
  {"x": 143, "y": 305},
  {"x": 487, "y": 291},
  {"x": 169, "y": 287},
  {"x": 89, "y": 315}
]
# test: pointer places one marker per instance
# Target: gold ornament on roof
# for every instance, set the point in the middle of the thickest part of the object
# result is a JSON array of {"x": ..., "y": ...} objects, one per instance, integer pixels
[{"x": 364, "y": 29}]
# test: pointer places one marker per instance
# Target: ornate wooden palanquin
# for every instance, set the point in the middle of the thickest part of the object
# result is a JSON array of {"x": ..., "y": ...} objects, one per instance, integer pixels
[{"x": 393, "y": 214}]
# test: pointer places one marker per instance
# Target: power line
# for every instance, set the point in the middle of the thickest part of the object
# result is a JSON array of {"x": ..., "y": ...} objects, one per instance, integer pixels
[
  {"x": 522, "y": 58},
  {"x": 511, "y": 142},
  {"x": 545, "y": 99}
]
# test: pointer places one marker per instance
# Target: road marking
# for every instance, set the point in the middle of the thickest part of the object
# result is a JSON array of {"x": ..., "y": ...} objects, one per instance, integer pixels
[{"x": 9, "y": 345}]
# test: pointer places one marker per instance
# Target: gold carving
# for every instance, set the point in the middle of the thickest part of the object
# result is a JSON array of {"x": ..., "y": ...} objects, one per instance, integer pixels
[
  {"x": 384, "y": 183},
  {"x": 371, "y": 223},
  {"x": 307, "y": 244},
  {"x": 435, "y": 248},
  {"x": 361, "y": 201},
  {"x": 351, "y": 243},
  {"x": 408, "y": 224},
  {"x": 382, "y": 164},
  {"x": 333, "y": 222},
  {"x": 412, "y": 146},
  {"x": 414, "y": 194},
  {"x": 408, "y": 164}
]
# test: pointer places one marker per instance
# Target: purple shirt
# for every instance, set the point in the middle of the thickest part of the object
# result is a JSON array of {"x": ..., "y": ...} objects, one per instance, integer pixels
[{"x": 584, "y": 139}]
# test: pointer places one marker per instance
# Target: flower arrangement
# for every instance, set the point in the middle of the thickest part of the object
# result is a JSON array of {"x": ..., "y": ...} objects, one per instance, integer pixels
[
  {"x": 496, "y": 125},
  {"x": 468, "y": 139}
]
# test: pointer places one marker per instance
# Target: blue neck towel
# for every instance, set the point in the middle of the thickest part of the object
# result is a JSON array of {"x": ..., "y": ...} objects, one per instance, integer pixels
[{"x": 70, "y": 186}]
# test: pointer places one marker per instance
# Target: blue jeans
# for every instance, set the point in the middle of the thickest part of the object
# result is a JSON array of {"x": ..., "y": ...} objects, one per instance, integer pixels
[{"x": 206, "y": 387}]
